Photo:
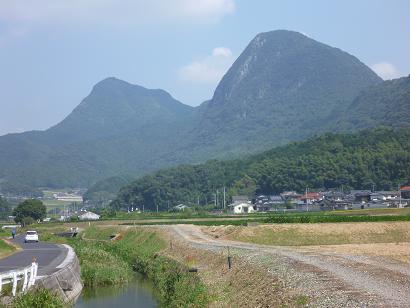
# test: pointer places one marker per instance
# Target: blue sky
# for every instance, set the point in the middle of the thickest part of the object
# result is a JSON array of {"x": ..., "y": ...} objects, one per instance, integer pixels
[{"x": 53, "y": 52}]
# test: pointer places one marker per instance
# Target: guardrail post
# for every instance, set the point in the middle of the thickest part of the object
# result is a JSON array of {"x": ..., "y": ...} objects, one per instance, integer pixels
[
  {"x": 35, "y": 271},
  {"x": 14, "y": 290},
  {"x": 33, "y": 274},
  {"x": 25, "y": 283}
]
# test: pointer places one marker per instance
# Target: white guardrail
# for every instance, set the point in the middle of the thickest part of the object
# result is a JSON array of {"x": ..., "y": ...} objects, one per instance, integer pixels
[{"x": 27, "y": 274}]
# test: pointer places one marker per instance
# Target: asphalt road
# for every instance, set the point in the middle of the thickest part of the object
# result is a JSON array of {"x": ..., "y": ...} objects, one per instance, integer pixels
[{"x": 48, "y": 256}]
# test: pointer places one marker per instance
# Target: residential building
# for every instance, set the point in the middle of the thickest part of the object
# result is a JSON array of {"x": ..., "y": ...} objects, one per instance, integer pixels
[{"x": 242, "y": 208}]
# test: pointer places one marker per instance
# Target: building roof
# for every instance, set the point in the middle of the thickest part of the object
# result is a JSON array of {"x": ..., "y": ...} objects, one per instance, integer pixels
[
  {"x": 311, "y": 195},
  {"x": 89, "y": 214}
]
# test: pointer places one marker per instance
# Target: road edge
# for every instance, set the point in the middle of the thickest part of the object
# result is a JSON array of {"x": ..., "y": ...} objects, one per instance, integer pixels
[{"x": 66, "y": 281}]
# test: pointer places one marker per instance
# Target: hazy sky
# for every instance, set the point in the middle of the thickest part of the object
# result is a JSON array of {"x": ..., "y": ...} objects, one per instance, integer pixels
[{"x": 52, "y": 52}]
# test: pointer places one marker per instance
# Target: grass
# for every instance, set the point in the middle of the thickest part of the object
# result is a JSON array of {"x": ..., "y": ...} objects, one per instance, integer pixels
[
  {"x": 374, "y": 212},
  {"x": 335, "y": 218},
  {"x": 5, "y": 249},
  {"x": 109, "y": 263},
  {"x": 38, "y": 299},
  {"x": 54, "y": 203}
]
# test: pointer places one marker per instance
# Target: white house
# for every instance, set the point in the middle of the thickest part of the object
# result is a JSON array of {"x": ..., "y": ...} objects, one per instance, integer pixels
[
  {"x": 242, "y": 208},
  {"x": 89, "y": 216},
  {"x": 181, "y": 207}
]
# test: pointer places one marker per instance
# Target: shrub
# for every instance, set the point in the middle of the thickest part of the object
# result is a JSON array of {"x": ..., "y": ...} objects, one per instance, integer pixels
[{"x": 38, "y": 299}]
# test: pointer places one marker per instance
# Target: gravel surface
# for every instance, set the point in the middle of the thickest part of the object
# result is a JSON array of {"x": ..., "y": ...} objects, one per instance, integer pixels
[{"x": 329, "y": 279}]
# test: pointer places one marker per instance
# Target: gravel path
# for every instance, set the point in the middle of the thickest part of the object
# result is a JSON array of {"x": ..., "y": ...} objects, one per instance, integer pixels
[{"x": 329, "y": 279}]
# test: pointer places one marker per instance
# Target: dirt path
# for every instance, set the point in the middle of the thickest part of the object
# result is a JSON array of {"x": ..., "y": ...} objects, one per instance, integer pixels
[{"x": 329, "y": 279}]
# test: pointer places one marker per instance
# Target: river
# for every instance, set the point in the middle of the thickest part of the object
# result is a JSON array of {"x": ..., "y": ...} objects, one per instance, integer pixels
[{"x": 138, "y": 293}]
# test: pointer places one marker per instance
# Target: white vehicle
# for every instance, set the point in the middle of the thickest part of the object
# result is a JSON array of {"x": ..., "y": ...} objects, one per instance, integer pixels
[{"x": 31, "y": 236}]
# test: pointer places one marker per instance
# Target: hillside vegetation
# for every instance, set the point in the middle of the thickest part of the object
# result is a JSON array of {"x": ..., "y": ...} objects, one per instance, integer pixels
[
  {"x": 284, "y": 87},
  {"x": 379, "y": 157}
]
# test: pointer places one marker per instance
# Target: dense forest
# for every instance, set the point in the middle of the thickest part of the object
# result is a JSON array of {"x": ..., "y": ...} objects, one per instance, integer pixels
[
  {"x": 17, "y": 188},
  {"x": 379, "y": 157}
]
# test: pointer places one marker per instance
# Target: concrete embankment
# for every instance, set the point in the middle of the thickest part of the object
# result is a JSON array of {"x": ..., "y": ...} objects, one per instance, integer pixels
[{"x": 66, "y": 281}]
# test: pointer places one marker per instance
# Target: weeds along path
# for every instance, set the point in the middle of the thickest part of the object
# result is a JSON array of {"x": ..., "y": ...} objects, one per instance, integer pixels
[{"x": 329, "y": 279}]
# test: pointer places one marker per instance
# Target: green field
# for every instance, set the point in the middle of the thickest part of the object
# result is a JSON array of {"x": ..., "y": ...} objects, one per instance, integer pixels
[{"x": 54, "y": 203}]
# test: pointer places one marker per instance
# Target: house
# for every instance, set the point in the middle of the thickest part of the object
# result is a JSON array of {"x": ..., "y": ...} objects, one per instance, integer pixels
[
  {"x": 376, "y": 197},
  {"x": 311, "y": 197},
  {"x": 290, "y": 196},
  {"x": 262, "y": 203},
  {"x": 276, "y": 199},
  {"x": 405, "y": 192},
  {"x": 361, "y": 195},
  {"x": 181, "y": 207},
  {"x": 242, "y": 208},
  {"x": 89, "y": 216},
  {"x": 389, "y": 195}
]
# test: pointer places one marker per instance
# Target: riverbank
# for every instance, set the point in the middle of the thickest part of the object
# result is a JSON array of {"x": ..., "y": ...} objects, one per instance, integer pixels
[{"x": 104, "y": 262}]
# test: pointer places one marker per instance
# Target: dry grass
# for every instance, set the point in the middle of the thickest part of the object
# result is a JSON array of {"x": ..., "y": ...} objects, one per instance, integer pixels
[
  {"x": 396, "y": 251},
  {"x": 245, "y": 285},
  {"x": 316, "y": 234}
]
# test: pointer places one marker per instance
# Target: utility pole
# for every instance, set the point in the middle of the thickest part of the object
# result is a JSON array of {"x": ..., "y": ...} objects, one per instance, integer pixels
[
  {"x": 143, "y": 207},
  {"x": 307, "y": 202},
  {"x": 217, "y": 201},
  {"x": 398, "y": 188},
  {"x": 224, "y": 197},
  {"x": 157, "y": 208}
]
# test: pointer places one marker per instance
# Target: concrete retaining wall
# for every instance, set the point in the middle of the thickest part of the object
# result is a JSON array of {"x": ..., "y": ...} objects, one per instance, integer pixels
[{"x": 66, "y": 281}]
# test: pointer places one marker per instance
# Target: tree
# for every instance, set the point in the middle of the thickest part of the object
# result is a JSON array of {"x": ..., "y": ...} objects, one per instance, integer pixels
[
  {"x": 4, "y": 208},
  {"x": 30, "y": 208}
]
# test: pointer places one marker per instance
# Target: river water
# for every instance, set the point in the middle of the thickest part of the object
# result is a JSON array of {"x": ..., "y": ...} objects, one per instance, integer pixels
[{"x": 138, "y": 293}]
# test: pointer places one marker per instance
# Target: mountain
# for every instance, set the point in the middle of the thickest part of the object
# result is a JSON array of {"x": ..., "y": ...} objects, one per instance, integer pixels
[
  {"x": 386, "y": 104},
  {"x": 117, "y": 128},
  {"x": 284, "y": 87},
  {"x": 379, "y": 157}
]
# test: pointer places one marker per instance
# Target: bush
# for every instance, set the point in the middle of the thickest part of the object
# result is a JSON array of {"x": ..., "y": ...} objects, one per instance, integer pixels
[{"x": 38, "y": 299}]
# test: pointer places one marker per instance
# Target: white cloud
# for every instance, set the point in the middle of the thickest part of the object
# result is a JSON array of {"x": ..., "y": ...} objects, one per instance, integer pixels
[
  {"x": 386, "y": 70},
  {"x": 113, "y": 11},
  {"x": 222, "y": 52},
  {"x": 209, "y": 69}
]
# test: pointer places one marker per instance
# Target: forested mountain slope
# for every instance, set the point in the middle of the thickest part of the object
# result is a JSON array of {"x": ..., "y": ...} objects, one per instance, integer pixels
[
  {"x": 284, "y": 87},
  {"x": 379, "y": 157}
]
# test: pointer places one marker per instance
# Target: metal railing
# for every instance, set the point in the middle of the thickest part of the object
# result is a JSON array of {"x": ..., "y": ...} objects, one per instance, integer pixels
[{"x": 27, "y": 274}]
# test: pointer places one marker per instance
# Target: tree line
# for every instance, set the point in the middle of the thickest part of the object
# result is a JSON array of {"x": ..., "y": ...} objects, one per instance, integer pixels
[{"x": 372, "y": 158}]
